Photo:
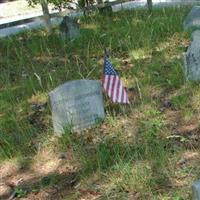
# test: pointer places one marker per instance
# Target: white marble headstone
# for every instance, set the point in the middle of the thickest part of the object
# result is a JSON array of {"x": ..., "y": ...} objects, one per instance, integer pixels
[
  {"x": 193, "y": 19},
  {"x": 192, "y": 58},
  {"x": 76, "y": 104}
]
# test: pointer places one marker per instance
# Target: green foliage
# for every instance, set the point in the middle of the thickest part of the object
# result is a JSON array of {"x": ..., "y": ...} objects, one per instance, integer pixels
[
  {"x": 180, "y": 101},
  {"x": 46, "y": 181},
  {"x": 20, "y": 193},
  {"x": 58, "y": 4},
  {"x": 81, "y": 3},
  {"x": 149, "y": 137}
]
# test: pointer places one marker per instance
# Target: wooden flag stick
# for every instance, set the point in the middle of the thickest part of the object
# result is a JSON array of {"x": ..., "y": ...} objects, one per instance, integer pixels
[{"x": 106, "y": 53}]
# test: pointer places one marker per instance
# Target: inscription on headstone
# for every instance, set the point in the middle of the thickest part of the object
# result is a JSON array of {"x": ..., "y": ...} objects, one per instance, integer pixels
[
  {"x": 76, "y": 104},
  {"x": 193, "y": 19},
  {"x": 192, "y": 58}
]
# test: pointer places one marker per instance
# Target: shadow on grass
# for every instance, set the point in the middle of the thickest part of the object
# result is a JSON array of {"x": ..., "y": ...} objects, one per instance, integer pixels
[{"x": 48, "y": 187}]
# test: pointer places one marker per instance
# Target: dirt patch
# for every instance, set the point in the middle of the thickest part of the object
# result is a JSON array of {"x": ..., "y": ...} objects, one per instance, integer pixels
[{"x": 49, "y": 176}]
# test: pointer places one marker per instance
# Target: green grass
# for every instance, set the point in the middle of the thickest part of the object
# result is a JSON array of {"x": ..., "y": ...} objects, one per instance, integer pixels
[{"x": 130, "y": 152}]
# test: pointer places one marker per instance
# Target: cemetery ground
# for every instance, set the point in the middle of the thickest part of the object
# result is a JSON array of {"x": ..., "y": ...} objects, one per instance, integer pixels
[{"x": 146, "y": 150}]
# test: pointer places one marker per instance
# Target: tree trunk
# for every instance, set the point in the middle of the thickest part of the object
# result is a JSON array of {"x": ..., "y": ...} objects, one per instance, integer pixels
[
  {"x": 86, "y": 3},
  {"x": 46, "y": 14},
  {"x": 150, "y": 5}
]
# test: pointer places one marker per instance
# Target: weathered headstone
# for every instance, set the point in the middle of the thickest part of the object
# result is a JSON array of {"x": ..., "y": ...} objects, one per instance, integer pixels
[
  {"x": 192, "y": 58},
  {"x": 76, "y": 104},
  {"x": 192, "y": 20},
  {"x": 69, "y": 28},
  {"x": 105, "y": 9},
  {"x": 196, "y": 190}
]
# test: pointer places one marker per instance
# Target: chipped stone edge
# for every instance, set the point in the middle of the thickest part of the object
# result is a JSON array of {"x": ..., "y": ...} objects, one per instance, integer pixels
[{"x": 184, "y": 66}]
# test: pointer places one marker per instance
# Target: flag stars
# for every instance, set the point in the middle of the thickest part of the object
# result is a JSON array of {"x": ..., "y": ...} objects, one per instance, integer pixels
[{"x": 108, "y": 68}]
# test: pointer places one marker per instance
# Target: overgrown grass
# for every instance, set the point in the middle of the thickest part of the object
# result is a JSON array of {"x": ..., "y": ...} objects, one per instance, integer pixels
[{"x": 135, "y": 150}]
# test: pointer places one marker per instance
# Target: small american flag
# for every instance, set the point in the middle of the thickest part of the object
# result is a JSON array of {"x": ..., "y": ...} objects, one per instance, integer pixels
[{"x": 112, "y": 84}]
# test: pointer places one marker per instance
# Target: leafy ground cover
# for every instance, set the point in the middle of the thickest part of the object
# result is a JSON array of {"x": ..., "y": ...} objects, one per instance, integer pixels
[{"x": 146, "y": 150}]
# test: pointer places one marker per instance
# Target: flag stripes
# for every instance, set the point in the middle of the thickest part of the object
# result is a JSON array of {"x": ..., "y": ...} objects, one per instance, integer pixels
[{"x": 113, "y": 85}]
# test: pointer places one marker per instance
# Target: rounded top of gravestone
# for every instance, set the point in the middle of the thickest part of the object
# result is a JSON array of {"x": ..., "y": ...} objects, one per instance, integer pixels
[
  {"x": 192, "y": 21},
  {"x": 69, "y": 28},
  {"x": 68, "y": 19},
  {"x": 75, "y": 85}
]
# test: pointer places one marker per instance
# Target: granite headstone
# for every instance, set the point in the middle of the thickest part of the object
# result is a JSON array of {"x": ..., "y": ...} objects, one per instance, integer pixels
[
  {"x": 192, "y": 58},
  {"x": 192, "y": 20},
  {"x": 196, "y": 190},
  {"x": 76, "y": 104},
  {"x": 69, "y": 28}
]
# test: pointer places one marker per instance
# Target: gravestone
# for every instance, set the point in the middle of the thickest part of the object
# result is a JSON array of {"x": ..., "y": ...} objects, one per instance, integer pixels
[
  {"x": 192, "y": 58},
  {"x": 196, "y": 190},
  {"x": 192, "y": 20},
  {"x": 69, "y": 28},
  {"x": 105, "y": 9},
  {"x": 77, "y": 105}
]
